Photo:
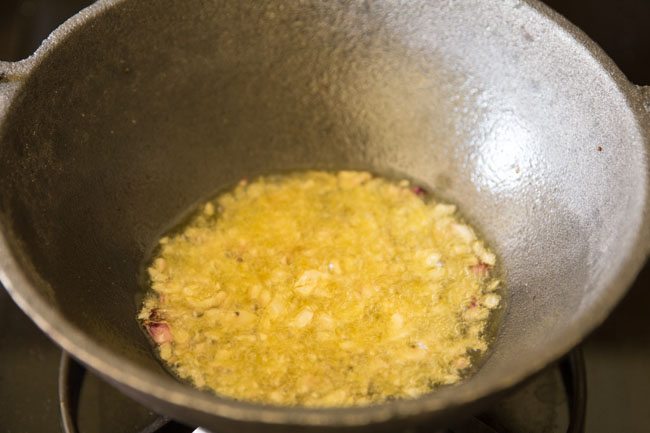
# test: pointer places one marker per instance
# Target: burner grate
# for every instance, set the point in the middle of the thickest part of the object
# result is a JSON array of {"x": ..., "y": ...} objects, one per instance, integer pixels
[{"x": 89, "y": 405}]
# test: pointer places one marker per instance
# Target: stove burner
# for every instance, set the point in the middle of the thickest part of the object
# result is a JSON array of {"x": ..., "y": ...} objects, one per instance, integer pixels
[
  {"x": 85, "y": 401},
  {"x": 574, "y": 376}
]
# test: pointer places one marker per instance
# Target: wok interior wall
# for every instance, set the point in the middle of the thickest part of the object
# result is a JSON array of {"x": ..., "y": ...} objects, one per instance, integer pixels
[{"x": 159, "y": 104}]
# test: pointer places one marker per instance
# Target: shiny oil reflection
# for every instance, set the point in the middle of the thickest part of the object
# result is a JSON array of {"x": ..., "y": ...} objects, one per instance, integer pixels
[{"x": 506, "y": 149}]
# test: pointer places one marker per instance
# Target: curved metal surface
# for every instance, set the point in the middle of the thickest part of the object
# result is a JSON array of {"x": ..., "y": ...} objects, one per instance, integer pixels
[
  {"x": 486, "y": 116},
  {"x": 644, "y": 100},
  {"x": 68, "y": 398},
  {"x": 11, "y": 76},
  {"x": 574, "y": 372},
  {"x": 70, "y": 384}
]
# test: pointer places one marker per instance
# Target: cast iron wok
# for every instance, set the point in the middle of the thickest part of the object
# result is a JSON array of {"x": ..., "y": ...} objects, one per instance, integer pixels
[{"x": 132, "y": 111}]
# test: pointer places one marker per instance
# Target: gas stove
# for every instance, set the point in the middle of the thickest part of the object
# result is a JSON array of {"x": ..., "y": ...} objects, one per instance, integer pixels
[
  {"x": 43, "y": 390},
  {"x": 552, "y": 402}
]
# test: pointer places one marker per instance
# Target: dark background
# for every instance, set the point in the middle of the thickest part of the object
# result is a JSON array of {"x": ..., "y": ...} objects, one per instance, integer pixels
[{"x": 618, "y": 353}]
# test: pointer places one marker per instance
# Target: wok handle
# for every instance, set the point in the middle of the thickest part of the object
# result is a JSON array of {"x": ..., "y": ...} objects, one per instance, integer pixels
[
  {"x": 645, "y": 94},
  {"x": 644, "y": 91},
  {"x": 645, "y": 105},
  {"x": 12, "y": 75}
]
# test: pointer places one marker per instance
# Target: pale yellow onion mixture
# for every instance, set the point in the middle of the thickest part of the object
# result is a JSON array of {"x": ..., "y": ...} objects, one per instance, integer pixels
[{"x": 321, "y": 289}]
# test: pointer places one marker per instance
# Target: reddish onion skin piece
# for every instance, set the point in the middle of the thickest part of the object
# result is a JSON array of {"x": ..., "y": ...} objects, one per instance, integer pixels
[
  {"x": 481, "y": 270},
  {"x": 159, "y": 332},
  {"x": 418, "y": 190}
]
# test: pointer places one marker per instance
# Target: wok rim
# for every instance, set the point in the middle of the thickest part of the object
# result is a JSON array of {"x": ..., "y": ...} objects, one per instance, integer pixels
[{"x": 116, "y": 368}]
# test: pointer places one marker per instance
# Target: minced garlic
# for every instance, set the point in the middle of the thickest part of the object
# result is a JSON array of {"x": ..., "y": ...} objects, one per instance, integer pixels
[{"x": 321, "y": 289}]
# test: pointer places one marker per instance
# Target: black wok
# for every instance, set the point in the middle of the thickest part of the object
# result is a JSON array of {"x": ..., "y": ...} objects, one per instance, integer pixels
[{"x": 134, "y": 110}]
